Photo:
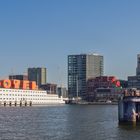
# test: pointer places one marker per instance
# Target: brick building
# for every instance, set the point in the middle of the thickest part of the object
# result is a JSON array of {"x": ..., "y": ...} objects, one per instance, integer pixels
[{"x": 105, "y": 82}]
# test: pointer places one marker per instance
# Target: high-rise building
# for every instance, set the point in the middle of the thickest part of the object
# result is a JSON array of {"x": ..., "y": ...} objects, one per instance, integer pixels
[
  {"x": 134, "y": 81},
  {"x": 62, "y": 92},
  {"x": 138, "y": 65},
  {"x": 38, "y": 75},
  {"x": 80, "y": 69}
]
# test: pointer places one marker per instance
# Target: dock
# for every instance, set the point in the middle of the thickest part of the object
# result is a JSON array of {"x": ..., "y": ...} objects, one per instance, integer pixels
[{"x": 81, "y": 102}]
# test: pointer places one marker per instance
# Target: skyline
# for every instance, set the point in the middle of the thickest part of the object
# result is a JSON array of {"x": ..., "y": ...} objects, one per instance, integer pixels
[{"x": 43, "y": 33}]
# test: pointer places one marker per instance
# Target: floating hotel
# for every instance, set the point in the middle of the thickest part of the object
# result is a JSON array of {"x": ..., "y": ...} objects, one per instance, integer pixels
[
  {"x": 25, "y": 93},
  {"x": 129, "y": 106}
]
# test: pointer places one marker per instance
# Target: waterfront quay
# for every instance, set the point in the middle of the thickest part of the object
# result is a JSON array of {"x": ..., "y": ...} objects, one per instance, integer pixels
[{"x": 82, "y": 102}]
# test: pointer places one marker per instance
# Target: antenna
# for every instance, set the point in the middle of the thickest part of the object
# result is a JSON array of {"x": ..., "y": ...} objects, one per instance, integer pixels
[
  {"x": 12, "y": 71},
  {"x": 59, "y": 76},
  {"x": 25, "y": 73}
]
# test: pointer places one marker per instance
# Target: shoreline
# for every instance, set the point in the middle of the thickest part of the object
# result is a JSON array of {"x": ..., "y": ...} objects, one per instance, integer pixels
[{"x": 93, "y": 103}]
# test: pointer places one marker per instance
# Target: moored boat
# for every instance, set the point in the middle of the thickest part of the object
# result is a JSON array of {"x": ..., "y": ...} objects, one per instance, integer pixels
[{"x": 25, "y": 93}]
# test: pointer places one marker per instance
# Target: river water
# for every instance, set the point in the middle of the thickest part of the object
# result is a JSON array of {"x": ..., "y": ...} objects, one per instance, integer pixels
[{"x": 67, "y": 122}]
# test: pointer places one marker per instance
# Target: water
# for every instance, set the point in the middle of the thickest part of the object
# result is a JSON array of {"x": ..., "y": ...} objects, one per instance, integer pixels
[{"x": 68, "y": 122}]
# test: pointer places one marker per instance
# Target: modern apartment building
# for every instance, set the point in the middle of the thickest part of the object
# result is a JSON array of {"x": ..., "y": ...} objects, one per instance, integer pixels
[
  {"x": 80, "y": 68},
  {"x": 38, "y": 75}
]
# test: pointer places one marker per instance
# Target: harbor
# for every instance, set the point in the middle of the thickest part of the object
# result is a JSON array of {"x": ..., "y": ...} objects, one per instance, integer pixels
[{"x": 67, "y": 122}]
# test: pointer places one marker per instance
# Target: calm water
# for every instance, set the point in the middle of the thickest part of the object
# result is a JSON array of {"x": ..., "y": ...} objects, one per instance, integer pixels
[{"x": 85, "y": 122}]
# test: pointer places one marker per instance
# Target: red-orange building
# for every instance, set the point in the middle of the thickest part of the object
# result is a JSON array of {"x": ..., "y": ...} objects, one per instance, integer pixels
[{"x": 101, "y": 82}]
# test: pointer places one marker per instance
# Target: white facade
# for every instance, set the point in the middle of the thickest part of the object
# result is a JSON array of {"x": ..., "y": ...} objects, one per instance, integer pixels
[{"x": 27, "y": 97}]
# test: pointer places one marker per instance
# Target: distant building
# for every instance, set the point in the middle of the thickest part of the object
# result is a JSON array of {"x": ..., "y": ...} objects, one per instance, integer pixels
[
  {"x": 62, "y": 91},
  {"x": 134, "y": 81},
  {"x": 38, "y": 75},
  {"x": 105, "y": 94},
  {"x": 138, "y": 65},
  {"x": 18, "y": 77},
  {"x": 104, "y": 82},
  {"x": 50, "y": 88},
  {"x": 124, "y": 83},
  {"x": 80, "y": 69}
]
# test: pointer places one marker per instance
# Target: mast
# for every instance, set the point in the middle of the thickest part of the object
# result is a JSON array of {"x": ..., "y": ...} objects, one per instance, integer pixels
[{"x": 77, "y": 87}]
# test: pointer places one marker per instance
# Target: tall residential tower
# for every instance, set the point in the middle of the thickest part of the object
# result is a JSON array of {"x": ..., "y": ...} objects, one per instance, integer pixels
[
  {"x": 38, "y": 75},
  {"x": 134, "y": 81},
  {"x": 138, "y": 65},
  {"x": 80, "y": 69}
]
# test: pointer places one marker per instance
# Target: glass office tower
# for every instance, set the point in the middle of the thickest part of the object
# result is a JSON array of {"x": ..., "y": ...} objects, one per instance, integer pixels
[{"x": 80, "y": 69}]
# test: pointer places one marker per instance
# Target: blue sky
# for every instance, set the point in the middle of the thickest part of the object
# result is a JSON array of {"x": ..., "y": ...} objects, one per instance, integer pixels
[{"x": 35, "y": 33}]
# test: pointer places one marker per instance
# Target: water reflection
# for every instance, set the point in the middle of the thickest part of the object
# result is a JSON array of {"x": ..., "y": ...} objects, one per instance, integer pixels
[{"x": 129, "y": 126}]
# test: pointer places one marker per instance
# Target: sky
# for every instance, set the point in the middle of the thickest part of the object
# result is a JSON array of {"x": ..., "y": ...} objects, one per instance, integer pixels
[{"x": 42, "y": 33}]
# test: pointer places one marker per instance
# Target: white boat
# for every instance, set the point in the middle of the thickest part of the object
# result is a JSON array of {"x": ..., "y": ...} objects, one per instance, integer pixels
[{"x": 27, "y": 97}]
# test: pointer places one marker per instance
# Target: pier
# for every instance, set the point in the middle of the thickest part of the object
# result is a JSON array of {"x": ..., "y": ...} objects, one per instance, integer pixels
[
  {"x": 12, "y": 104},
  {"x": 129, "y": 106}
]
